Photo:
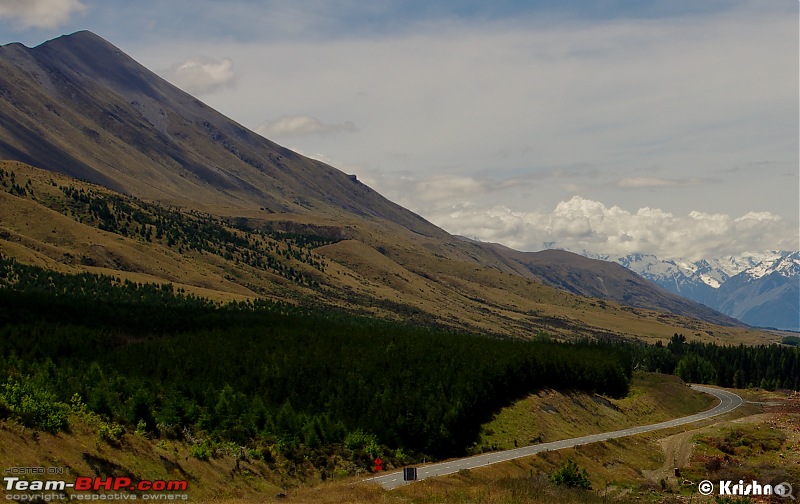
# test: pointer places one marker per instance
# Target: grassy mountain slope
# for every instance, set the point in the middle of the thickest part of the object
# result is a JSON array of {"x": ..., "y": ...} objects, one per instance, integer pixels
[
  {"x": 605, "y": 280},
  {"x": 79, "y": 106},
  {"x": 64, "y": 224}
]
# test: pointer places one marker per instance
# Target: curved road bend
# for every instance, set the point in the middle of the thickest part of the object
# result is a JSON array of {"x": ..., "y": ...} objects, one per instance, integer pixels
[{"x": 728, "y": 402}]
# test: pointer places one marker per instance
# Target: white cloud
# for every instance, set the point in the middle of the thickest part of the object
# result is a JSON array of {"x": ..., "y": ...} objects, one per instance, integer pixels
[
  {"x": 757, "y": 217},
  {"x": 201, "y": 75},
  {"x": 40, "y": 13},
  {"x": 292, "y": 126},
  {"x": 511, "y": 212},
  {"x": 580, "y": 224}
]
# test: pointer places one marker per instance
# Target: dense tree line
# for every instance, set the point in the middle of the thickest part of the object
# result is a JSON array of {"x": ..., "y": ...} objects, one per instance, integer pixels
[
  {"x": 33, "y": 294},
  {"x": 269, "y": 372},
  {"x": 766, "y": 366}
]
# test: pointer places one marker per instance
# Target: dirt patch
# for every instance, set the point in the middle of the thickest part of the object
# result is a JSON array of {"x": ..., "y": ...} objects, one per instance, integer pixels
[{"x": 677, "y": 453}]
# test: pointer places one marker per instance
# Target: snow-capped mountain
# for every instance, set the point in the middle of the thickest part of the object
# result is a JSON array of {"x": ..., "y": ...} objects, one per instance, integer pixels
[
  {"x": 758, "y": 288},
  {"x": 767, "y": 294},
  {"x": 785, "y": 265},
  {"x": 695, "y": 281}
]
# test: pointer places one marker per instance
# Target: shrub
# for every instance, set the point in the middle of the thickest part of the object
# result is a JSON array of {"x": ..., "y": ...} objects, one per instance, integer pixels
[
  {"x": 791, "y": 340},
  {"x": 570, "y": 475},
  {"x": 358, "y": 439},
  {"x": 732, "y": 500},
  {"x": 200, "y": 451},
  {"x": 33, "y": 406},
  {"x": 110, "y": 432},
  {"x": 141, "y": 429}
]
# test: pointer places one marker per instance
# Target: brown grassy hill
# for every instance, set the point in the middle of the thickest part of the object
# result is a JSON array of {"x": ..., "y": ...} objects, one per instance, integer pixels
[
  {"x": 65, "y": 224},
  {"x": 79, "y": 106}
]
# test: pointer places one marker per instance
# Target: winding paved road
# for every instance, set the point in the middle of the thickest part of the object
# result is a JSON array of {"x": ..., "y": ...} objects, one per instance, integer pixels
[{"x": 728, "y": 402}]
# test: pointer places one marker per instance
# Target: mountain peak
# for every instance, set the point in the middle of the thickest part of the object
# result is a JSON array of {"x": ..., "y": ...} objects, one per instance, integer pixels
[
  {"x": 84, "y": 38},
  {"x": 84, "y": 45},
  {"x": 81, "y": 37},
  {"x": 787, "y": 265},
  {"x": 84, "y": 57},
  {"x": 758, "y": 288}
]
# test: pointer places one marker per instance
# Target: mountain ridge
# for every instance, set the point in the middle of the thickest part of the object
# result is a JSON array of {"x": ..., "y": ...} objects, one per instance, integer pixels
[
  {"x": 200, "y": 154},
  {"x": 113, "y": 122},
  {"x": 758, "y": 288}
]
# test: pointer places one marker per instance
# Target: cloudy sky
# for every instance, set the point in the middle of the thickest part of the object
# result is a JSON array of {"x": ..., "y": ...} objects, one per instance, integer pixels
[{"x": 616, "y": 126}]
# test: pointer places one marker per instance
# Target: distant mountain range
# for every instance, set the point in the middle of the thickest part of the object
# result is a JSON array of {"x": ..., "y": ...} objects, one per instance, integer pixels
[{"x": 760, "y": 288}]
